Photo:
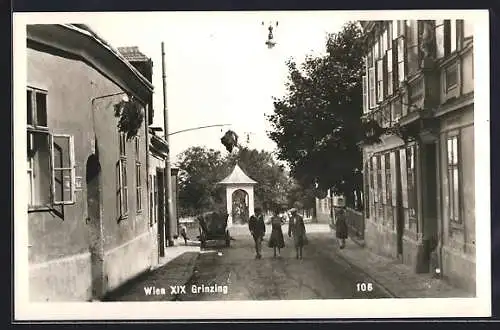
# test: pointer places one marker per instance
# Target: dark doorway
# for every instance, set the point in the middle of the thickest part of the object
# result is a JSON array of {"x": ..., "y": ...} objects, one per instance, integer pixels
[
  {"x": 429, "y": 206},
  {"x": 94, "y": 224},
  {"x": 399, "y": 204},
  {"x": 160, "y": 210}
]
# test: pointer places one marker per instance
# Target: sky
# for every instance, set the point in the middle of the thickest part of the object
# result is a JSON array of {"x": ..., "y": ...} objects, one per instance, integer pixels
[{"x": 218, "y": 68}]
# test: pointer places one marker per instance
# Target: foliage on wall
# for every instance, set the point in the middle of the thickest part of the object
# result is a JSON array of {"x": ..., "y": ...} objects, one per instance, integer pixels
[{"x": 131, "y": 116}]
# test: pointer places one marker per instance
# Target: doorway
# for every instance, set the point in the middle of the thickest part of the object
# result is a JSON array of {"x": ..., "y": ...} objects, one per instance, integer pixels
[
  {"x": 400, "y": 159},
  {"x": 160, "y": 210},
  {"x": 94, "y": 223},
  {"x": 430, "y": 206}
]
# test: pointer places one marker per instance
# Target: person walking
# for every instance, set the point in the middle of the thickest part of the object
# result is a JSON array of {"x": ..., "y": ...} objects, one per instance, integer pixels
[
  {"x": 297, "y": 229},
  {"x": 341, "y": 225},
  {"x": 276, "y": 241},
  {"x": 258, "y": 230}
]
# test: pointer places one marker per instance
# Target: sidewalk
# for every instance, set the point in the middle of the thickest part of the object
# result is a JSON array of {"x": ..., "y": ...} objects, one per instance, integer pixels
[
  {"x": 398, "y": 279},
  {"x": 175, "y": 268}
]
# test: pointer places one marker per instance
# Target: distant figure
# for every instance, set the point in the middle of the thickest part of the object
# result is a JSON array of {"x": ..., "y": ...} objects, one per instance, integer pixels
[
  {"x": 183, "y": 232},
  {"x": 297, "y": 229},
  {"x": 276, "y": 240},
  {"x": 258, "y": 230},
  {"x": 341, "y": 225}
]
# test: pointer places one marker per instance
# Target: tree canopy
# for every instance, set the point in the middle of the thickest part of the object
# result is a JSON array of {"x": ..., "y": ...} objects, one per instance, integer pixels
[
  {"x": 200, "y": 169},
  {"x": 317, "y": 124}
]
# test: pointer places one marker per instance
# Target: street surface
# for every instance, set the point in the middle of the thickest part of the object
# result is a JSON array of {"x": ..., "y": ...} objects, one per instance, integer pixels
[{"x": 321, "y": 274}]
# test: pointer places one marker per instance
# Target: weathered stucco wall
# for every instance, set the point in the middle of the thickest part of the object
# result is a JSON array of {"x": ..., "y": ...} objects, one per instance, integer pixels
[{"x": 59, "y": 246}]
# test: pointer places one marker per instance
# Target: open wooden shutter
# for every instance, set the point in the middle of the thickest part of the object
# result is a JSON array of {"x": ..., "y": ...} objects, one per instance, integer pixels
[
  {"x": 383, "y": 193},
  {"x": 404, "y": 177},
  {"x": 365, "y": 94},
  {"x": 394, "y": 178}
]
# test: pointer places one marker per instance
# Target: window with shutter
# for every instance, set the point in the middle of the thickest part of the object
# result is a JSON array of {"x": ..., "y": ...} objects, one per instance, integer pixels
[
  {"x": 401, "y": 60},
  {"x": 468, "y": 29},
  {"x": 380, "y": 80},
  {"x": 412, "y": 46},
  {"x": 365, "y": 94},
  {"x": 453, "y": 35},
  {"x": 389, "y": 70},
  {"x": 384, "y": 42},
  {"x": 395, "y": 25},
  {"x": 371, "y": 87},
  {"x": 439, "y": 38}
]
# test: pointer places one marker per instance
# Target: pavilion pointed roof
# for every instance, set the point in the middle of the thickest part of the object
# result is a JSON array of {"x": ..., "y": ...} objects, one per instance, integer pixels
[{"x": 237, "y": 176}]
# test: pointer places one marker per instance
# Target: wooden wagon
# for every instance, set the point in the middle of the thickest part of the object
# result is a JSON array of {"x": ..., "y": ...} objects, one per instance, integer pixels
[{"x": 213, "y": 227}]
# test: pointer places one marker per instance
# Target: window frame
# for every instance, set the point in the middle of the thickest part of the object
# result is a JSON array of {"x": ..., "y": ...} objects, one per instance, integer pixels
[
  {"x": 388, "y": 179},
  {"x": 455, "y": 219},
  {"x": 71, "y": 169},
  {"x": 380, "y": 81},
  {"x": 372, "y": 97},
  {"x": 138, "y": 177},
  {"x": 411, "y": 183},
  {"x": 364, "y": 87},
  {"x": 122, "y": 179}
]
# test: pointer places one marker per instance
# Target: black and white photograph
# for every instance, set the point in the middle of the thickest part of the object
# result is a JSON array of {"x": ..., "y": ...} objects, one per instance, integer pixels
[{"x": 313, "y": 164}]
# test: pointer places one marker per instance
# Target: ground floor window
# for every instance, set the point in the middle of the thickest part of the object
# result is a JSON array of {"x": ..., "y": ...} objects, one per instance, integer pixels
[
  {"x": 50, "y": 168},
  {"x": 121, "y": 188}
]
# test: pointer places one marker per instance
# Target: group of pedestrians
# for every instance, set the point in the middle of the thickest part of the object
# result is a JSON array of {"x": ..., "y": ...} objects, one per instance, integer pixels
[{"x": 296, "y": 230}]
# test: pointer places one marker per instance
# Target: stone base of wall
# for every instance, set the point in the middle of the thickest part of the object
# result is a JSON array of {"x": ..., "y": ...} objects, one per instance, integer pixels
[
  {"x": 383, "y": 241},
  {"x": 380, "y": 239},
  {"x": 64, "y": 279},
  {"x": 410, "y": 253},
  {"x": 459, "y": 269},
  {"x": 127, "y": 261}
]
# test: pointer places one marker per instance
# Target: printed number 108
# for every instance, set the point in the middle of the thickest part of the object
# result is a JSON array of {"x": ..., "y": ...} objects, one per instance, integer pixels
[{"x": 364, "y": 287}]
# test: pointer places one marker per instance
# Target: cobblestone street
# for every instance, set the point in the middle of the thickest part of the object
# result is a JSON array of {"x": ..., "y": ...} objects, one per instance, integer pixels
[
  {"x": 325, "y": 272},
  {"x": 320, "y": 275}
]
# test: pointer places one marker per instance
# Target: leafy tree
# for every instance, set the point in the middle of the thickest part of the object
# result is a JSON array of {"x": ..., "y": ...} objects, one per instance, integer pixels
[
  {"x": 300, "y": 197},
  {"x": 199, "y": 171},
  {"x": 317, "y": 125}
]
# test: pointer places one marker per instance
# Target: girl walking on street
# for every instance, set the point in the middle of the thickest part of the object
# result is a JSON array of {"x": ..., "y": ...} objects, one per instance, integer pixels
[
  {"x": 276, "y": 240},
  {"x": 297, "y": 229}
]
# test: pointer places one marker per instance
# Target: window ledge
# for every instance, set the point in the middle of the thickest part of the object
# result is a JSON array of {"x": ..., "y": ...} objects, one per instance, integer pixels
[
  {"x": 454, "y": 226},
  {"x": 39, "y": 208},
  {"x": 122, "y": 218}
]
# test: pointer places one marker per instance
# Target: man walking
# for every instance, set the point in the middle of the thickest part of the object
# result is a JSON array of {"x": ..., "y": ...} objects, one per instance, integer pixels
[{"x": 258, "y": 230}]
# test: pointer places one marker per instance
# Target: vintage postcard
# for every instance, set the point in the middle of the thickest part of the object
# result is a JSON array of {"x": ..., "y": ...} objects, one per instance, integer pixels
[{"x": 315, "y": 164}]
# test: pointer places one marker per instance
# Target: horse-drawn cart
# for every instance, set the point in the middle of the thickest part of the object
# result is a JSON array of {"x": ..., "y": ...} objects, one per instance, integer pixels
[{"x": 213, "y": 227}]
